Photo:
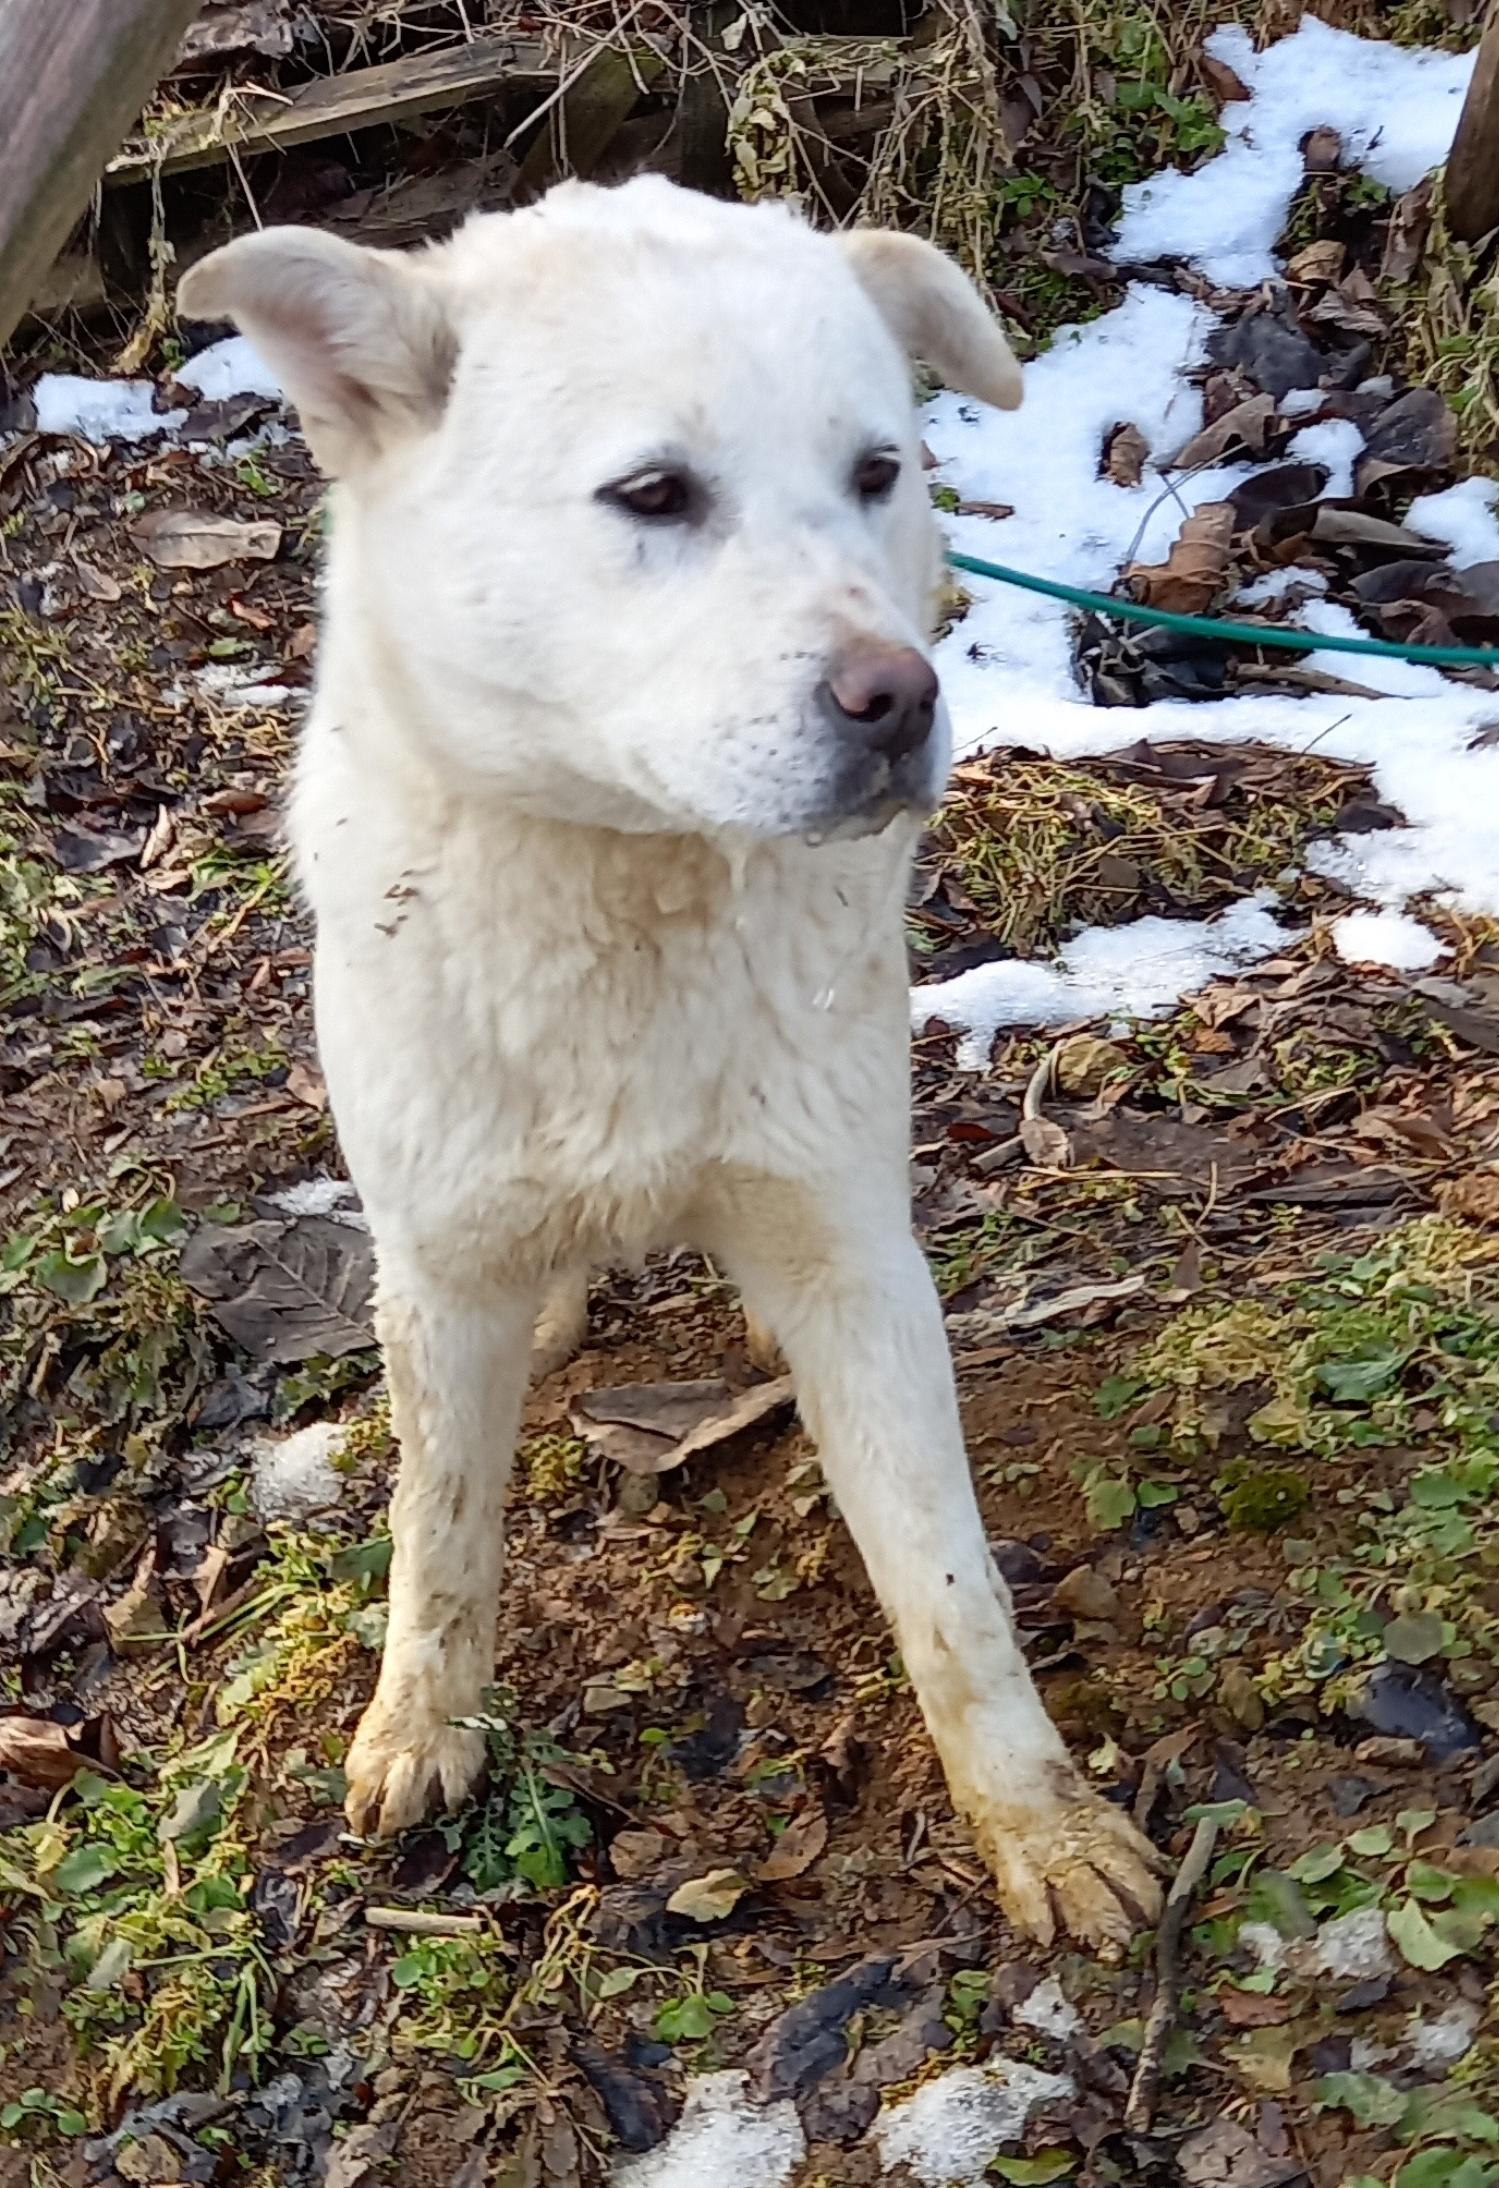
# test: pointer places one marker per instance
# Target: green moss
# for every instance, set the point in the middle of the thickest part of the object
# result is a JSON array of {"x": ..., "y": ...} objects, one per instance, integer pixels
[{"x": 1260, "y": 1499}]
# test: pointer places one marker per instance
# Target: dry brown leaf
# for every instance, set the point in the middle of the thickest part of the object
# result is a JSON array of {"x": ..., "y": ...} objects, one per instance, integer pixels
[
  {"x": 1084, "y": 1062},
  {"x": 194, "y": 539},
  {"x": 710, "y": 1897},
  {"x": 1046, "y": 1143},
  {"x": 635, "y": 1854},
  {"x": 37, "y": 1752},
  {"x": 1125, "y": 453},
  {"x": 1317, "y": 264},
  {"x": 650, "y": 1428},
  {"x": 1221, "y": 79},
  {"x": 1245, "y": 425},
  {"x": 305, "y": 1085},
  {"x": 1196, "y": 570},
  {"x": 1084, "y": 1593},
  {"x": 796, "y": 1850}
]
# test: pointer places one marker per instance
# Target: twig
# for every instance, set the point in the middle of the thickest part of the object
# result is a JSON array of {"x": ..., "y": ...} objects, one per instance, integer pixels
[
  {"x": 424, "y": 1922},
  {"x": 1039, "y": 1085},
  {"x": 1140, "y": 2106}
]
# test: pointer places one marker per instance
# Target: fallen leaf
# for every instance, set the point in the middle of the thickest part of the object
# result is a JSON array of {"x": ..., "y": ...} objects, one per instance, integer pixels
[
  {"x": 796, "y": 1850},
  {"x": 1316, "y": 264},
  {"x": 710, "y": 1897},
  {"x": 1244, "y": 427},
  {"x": 1046, "y": 1143},
  {"x": 359, "y": 2160},
  {"x": 649, "y": 1428},
  {"x": 192, "y": 539},
  {"x": 1417, "y": 433},
  {"x": 1125, "y": 453},
  {"x": 306, "y": 1085},
  {"x": 1084, "y": 1593},
  {"x": 1284, "y": 486},
  {"x": 1196, "y": 570},
  {"x": 286, "y": 1290},
  {"x": 1322, "y": 149},
  {"x": 1413, "y": 1637},
  {"x": 639, "y": 2107},
  {"x": 635, "y": 1854},
  {"x": 1414, "y": 1937},
  {"x": 89, "y": 850},
  {"x": 1084, "y": 1062},
  {"x": 1227, "y": 2155},
  {"x": 1406, "y": 236},
  {"x": 1221, "y": 79},
  {"x": 36, "y": 1752}
]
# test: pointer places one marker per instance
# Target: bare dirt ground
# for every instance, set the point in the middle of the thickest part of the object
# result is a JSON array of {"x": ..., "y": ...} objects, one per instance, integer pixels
[{"x": 1221, "y": 1298}]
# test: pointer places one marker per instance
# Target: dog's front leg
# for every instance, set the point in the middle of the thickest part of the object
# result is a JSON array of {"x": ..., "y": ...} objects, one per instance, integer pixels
[
  {"x": 842, "y": 1282},
  {"x": 457, "y": 1364}
]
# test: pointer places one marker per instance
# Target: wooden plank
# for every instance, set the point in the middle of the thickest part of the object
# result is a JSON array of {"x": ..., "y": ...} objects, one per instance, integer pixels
[
  {"x": 421, "y": 83},
  {"x": 583, "y": 124},
  {"x": 392, "y": 91},
  {"x": 72, "y": 80},
  {"x": 1471, "y": 180}
]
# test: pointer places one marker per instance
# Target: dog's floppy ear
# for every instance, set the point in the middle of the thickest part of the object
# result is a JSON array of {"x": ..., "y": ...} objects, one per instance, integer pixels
[
  {"x": 361, "y": 340},
  {"x": 935, "y": 313}
]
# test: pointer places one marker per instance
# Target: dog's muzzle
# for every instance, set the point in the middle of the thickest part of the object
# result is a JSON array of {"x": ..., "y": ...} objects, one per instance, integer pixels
[{"x": 878, "y": 706}]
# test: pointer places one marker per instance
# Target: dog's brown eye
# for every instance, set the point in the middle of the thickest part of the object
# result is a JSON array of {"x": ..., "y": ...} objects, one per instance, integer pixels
[
  {"x": 659, "y": 496},
  {"x": 875, "y": 475}
]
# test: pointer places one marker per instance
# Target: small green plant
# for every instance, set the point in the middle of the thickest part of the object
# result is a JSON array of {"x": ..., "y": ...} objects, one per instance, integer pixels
[
  {"x": 527, "y": 1828},
  {"x": 696, "y": 2011}
]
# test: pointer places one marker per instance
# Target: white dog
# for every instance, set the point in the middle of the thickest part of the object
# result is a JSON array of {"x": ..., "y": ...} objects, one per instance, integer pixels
[{"x": 623, "y": 734}]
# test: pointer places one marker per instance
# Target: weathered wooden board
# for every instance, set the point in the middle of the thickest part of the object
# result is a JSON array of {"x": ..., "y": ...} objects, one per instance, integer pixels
[{"x": 73, "y": 78}]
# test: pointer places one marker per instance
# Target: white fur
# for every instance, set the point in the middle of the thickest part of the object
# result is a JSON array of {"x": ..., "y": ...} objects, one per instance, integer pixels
[{"x": 610, "y": 945}]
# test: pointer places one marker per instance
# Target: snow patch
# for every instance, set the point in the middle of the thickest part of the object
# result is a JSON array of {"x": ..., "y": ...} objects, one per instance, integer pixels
[
  {"x": 1335, "y": 442},
  {"x": 291, "y": 1477},
  {"x": 1048, "y": 2012},
  {"x": 1386, "y": 938},
  {"x": 1463, "y": 517},
  {"x": 1352, "y": 1948},
  {"x": 321, "y": 1197},
  {"x": 1444, "y": 2037},
  {"x": 950, "y": 2129},
  {"x": 1395, "y": 111},
  {"x": 721, "y": 2136},
  {"x": 100, "y": 410},
  {"x": 1138, "y": 970},
  {"x": 231, "y": 367}
]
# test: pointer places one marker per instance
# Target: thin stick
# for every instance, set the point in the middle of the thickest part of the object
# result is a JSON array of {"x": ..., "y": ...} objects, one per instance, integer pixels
[
  {"x": 422, "y": 1922},
  {"x": 1140, "y": 2107}
]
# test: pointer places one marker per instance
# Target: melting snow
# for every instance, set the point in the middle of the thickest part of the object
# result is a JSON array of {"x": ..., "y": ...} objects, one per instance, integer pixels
[
  {"x": 1007, "y": 667},
  {"x": 293, "y": 1476},
  {"x": 231, "y": 367},
  {"x": 1139, "y": 969},
  {"x": 721, "y": 2137},
  {"x": 951, "y": 2128},
  {"x": 100, "y": 410},
  {"x": 1395, "y": 111},
  {"x": 1462, "y": 517},
  {"x": 1386, "y": 938}
]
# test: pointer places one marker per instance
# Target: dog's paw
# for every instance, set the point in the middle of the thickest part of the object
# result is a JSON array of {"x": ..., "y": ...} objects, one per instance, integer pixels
[
  {"x": 399, "y": 1771},
  {"x": 1073, "y": 1864},
  {"x": 561, "y": 1327},
  {"x": 761, "y": 1348}
]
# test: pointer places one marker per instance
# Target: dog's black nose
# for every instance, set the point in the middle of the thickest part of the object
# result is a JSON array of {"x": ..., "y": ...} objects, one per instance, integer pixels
[{"x": 883, "y": 695}]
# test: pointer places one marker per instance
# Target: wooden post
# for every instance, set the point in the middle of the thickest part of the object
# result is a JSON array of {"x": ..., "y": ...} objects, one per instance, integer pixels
[
  {"x": 74, "y": 75},
  {"x": 1471, "y": 180}
]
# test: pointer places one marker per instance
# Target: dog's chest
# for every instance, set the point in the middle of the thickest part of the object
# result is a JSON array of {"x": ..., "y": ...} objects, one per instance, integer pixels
[{"x": 569, "y": 1030}]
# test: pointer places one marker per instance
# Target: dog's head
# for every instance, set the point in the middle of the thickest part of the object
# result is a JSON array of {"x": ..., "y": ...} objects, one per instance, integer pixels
[{"x": 631, "y": 517}]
